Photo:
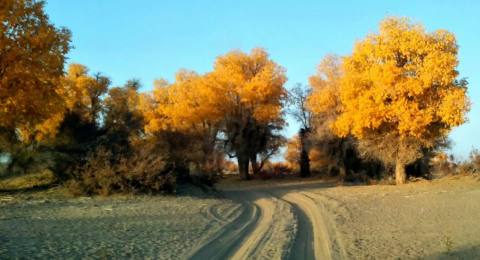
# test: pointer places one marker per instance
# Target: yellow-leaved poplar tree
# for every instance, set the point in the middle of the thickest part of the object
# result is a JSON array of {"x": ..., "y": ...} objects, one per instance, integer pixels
[
  {"x": 82, "y": 92},
  {"x": 324, "y": 100},
  {"x": 121, "y": 110},
  {"x": 186, "y": 107},
  {"x": 251, "y": 88},
  {"x": 32, "y": 55},
  {"x": 400, "y": 92},
  {"x": 325, "y": 104},
  {"x": 241, "y": 98},
  {"x": 187, "y": 104}
]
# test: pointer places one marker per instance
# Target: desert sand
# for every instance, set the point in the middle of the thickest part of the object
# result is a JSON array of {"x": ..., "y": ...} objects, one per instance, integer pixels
[{"x": 283, "y": 219}]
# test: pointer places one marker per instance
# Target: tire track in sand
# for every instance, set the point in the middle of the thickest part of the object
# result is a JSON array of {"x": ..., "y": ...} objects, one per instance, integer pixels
[
  {"x": 337, "y": 212},
  {"x": 274, "y": 233},
  {"x": 274, "y": 224},
  {"x": 265, "y": 229},
  {"x": 303, "y": 247},
  {"x": 221, "y": 212},
  {"x": 318, "y": 229},
  {"x": 230, "y": 237}
]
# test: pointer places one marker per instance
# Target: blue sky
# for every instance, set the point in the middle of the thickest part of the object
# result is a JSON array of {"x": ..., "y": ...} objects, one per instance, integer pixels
[{"x": 150, "y": 39}]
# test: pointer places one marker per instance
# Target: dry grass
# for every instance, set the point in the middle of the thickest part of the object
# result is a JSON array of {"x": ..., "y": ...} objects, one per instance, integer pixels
[{"x": 28, "y": 181}]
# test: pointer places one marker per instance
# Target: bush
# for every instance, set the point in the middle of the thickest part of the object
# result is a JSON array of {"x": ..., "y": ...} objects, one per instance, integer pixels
[
  {"x": 475, "y": 161},
  {"x": 105, "y": 173},
  {"x": 442, "y": 164},
  {"x": 27, "y": 160},
  {"x": 276, "y": 170},
  {"x": 465, "y": 168},
  {"x": 445, "y": 165}
]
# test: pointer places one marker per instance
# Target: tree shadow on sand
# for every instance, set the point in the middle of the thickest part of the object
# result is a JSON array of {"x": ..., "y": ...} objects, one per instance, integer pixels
[{"x": 472, "y": 252}]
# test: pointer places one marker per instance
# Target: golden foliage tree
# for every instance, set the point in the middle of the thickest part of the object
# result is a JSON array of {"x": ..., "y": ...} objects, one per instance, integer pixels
[
  {"x": 122, "y": 118},
  {"x": 80, "y": 128},
  {"x": 32, "y": 54},
  {"x": 241, "y": 98},
  {"x": 122, "y": 106},
  {"x": 400, "y": 92},
  {"x": 189, "y": 108},
  {"x": 251, "y": 93},
  {"x": 82, "y": 92},
  {"x": 187, "y": 104},
  {"x": 325, "y": 104},
  {"x": 324, "y": 101}
]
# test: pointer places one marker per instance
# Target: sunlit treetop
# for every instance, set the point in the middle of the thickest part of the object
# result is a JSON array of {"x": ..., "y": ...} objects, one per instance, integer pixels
[
  {"x": 240, "y": 84},
  {"x": 82, "y": 92},
  {"x": 250, "y": 82},
  {"x": 31, "y": 63},
  {"x": 186, "y": 104},
  {"x": 121, "y": 107},
  {"x": 324, "y": 99},
  {"x": 404, "y": 80}
]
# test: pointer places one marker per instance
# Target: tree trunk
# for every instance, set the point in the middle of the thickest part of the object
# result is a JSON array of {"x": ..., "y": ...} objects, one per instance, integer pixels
[
  {"x": 243, "y": 166},
  {"x": 255, "y": 167},
  {"x": 304, "y": 159},
  {"x": 304, "y": 164},
  {"x": 342, "y": 159},
  {"x": 400, "y": 174}
]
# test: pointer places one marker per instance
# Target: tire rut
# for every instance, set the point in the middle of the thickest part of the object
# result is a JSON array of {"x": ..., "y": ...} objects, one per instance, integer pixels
[
  {"x": 221, "y": 213},
  {"x": 265, "y": 229},
  {"x": 273, "y": 234},
  {"x": 303, "y": 247},
  {"x": 337, "y": 213},
  {"x": 321, "y": 239},
  {"x": 231, "y": 236},
  {"x": 273, "y": 224}
]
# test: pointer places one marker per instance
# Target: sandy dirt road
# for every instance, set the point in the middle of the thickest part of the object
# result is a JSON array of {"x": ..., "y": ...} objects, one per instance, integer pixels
[
  {"x": 320, "y": 220},
  {"x": 277, "y": 222}
]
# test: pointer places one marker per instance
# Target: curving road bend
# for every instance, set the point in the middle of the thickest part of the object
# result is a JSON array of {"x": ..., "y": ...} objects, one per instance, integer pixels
[{"x": 272, "y": 223}]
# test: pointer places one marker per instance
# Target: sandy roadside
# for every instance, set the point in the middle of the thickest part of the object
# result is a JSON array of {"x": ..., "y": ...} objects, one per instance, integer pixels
[
  {"x": 116, "y": 227},
  {"x": 428, "y": 220}
]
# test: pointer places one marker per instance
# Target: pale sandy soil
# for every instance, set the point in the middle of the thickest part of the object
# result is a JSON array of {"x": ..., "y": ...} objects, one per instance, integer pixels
[
  {"x": 287, "y": 219},
  {"x": 438, "y": 219},
  {"x": 117, "y": 227}
]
